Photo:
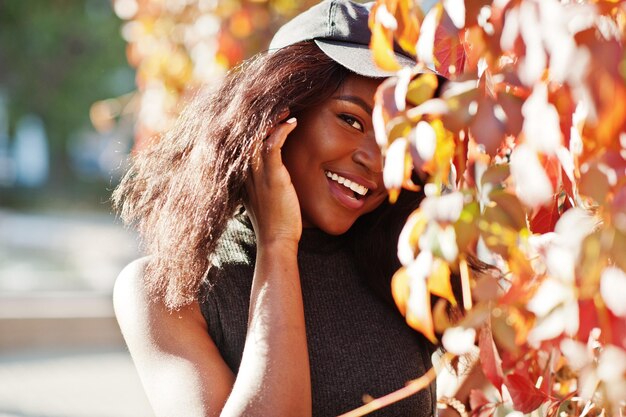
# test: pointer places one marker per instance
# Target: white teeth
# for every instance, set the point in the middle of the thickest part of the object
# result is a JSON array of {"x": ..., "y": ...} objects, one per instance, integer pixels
[{"x": 357, "y": 188}]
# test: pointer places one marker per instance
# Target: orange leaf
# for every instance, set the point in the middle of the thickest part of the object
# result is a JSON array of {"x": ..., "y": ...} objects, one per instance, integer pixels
[
  {"x": 381, "y": 45},
  {"x": 400, "y": 289},
  {"x": 419, "y": 314},
  {"x": 408, "y": 17},
  {"x": 439, "y": 281},
  {"x": 422, "y": 325},
  {"x": 409, "y": 237}
]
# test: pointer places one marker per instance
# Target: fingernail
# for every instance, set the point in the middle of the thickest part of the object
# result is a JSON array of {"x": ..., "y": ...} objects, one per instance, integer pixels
[{"x": 291, "y": 120}]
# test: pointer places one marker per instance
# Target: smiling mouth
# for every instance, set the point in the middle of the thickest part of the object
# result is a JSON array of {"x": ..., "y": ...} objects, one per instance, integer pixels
[{"x": 359, "y": 190}]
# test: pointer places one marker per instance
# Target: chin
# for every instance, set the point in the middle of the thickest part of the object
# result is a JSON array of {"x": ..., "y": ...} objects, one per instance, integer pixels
[{"x": 336, "y": 228}]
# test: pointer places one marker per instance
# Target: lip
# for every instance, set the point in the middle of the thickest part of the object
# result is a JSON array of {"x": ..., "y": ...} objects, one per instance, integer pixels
[
  {"x": 342, "y": 194},
  {"x": 369, "y": 184},
  {"x": 345, "y": 195}
]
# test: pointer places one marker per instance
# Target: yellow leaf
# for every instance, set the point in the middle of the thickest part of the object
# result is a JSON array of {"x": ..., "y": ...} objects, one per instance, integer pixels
[
  {"x": 393, "y": 195},
  {"x": 419, "y": 315},
  {"x": 422, "y": 88},
  {"x": 398, "y": 127},
  {"x": 409, "y": 237},
  {"x": 418, "y": 228},
  {"x": 400, "y": 289},
  {"x": 408, "y": 184},
  {"x": 439, "y": 165},
  {"x": 395, "y": 171},
  {"x": 381, "y": 45},
  {"x": 439, "y": 281},
  {"x": 441, "y": 318}
]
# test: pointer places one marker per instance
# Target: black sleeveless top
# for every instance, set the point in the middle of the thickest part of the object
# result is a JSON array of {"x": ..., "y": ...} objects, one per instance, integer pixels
[{"x": 358, "y": 345}]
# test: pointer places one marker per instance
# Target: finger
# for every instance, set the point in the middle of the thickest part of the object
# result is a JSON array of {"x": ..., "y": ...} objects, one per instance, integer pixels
[
  {"x": 283, "y": 115},
  {"x": 280, "y": 119},
  {"x": 277, "y": 139}
]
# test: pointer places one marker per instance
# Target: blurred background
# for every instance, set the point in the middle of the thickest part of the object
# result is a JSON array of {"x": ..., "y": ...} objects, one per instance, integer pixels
[
  {"x": 61, "y": 246},
  {"x": 83, "y": 83}
]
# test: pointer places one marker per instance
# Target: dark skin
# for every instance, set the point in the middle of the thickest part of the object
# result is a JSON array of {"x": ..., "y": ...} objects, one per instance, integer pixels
[
  {"x": 337, "y": 137},
  {"x": 291, "y": 186}
]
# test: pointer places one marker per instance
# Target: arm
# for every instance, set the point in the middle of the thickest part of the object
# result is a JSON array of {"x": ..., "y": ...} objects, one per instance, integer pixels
[
  {"x": 180, "y": 367},
  {"x": 274, "y": 376}
]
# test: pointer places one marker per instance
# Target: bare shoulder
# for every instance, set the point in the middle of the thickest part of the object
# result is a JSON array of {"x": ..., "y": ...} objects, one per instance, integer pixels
[
  {"x": 131, "y": 300},
  {"x": 129, "y": 285},
  {"x": 172, "y": 350},
  {"x": 140, "y": 314}
]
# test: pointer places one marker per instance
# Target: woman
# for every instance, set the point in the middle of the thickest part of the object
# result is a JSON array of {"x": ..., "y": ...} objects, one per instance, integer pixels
[{"x": 267, "y": 311}]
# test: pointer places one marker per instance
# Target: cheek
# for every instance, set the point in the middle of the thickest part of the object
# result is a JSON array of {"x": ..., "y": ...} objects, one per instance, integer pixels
[{"x": 311, "y": 146}]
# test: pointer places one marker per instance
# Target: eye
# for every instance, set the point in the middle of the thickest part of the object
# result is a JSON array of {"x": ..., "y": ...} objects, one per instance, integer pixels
[{"x": 352, "y": 121}]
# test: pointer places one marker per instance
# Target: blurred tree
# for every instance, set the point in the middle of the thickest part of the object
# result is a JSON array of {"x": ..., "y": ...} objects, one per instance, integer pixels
[
  {"x": 56, "y": 58},
  {"x": 179, "y": 44}
]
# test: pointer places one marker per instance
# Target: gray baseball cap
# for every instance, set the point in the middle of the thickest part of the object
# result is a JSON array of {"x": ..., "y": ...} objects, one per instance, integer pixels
[{"x": 340, "y": 29}]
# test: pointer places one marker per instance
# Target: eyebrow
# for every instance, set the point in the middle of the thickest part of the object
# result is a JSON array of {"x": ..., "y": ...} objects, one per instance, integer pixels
[{"x": 356, "y": 100}]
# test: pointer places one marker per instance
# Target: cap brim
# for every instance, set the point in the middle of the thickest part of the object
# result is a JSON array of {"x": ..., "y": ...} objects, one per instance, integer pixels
[{"x": 358, "y": 58}]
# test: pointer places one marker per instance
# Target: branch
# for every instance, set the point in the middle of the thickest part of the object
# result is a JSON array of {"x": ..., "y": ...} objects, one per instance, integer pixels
[{"x": 411, "y": 388}]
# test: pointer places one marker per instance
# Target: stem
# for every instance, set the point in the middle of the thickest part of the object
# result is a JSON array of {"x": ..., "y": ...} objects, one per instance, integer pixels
[
  {"x": 465, "y": 285},
  {"x": 411, "y": 388}
]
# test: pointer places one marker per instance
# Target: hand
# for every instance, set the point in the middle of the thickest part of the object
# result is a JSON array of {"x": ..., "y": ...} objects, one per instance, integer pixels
[{"x": 272, "y": 203}]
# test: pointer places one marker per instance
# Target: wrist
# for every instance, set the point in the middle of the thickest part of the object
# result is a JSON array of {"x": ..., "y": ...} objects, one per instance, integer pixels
[{"x": 278, "y": 244}]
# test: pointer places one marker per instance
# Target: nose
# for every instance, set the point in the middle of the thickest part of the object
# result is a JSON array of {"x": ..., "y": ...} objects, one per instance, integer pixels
[{"x": 368, "y": 155}]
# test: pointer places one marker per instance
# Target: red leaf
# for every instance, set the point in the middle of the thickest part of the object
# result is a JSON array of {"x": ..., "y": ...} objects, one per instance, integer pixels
[
  {"x": 512, "y": 106},
  {"x": 486, "y": 128},
  {"x": 546, "y": 217},
  {"x": 448, "y": 49},
  {"x": 489, "y": 358},
  {"x": 552, "y": 165},
  {"x": 480, "y": 405},
  {"x": 477, "y": 399},
  {"x": 526, "y": 397},
  {"x": 613, "y": 327}
]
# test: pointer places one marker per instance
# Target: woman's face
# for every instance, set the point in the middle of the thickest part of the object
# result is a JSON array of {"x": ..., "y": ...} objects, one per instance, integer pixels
[{"x": 333, "y": 159}]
